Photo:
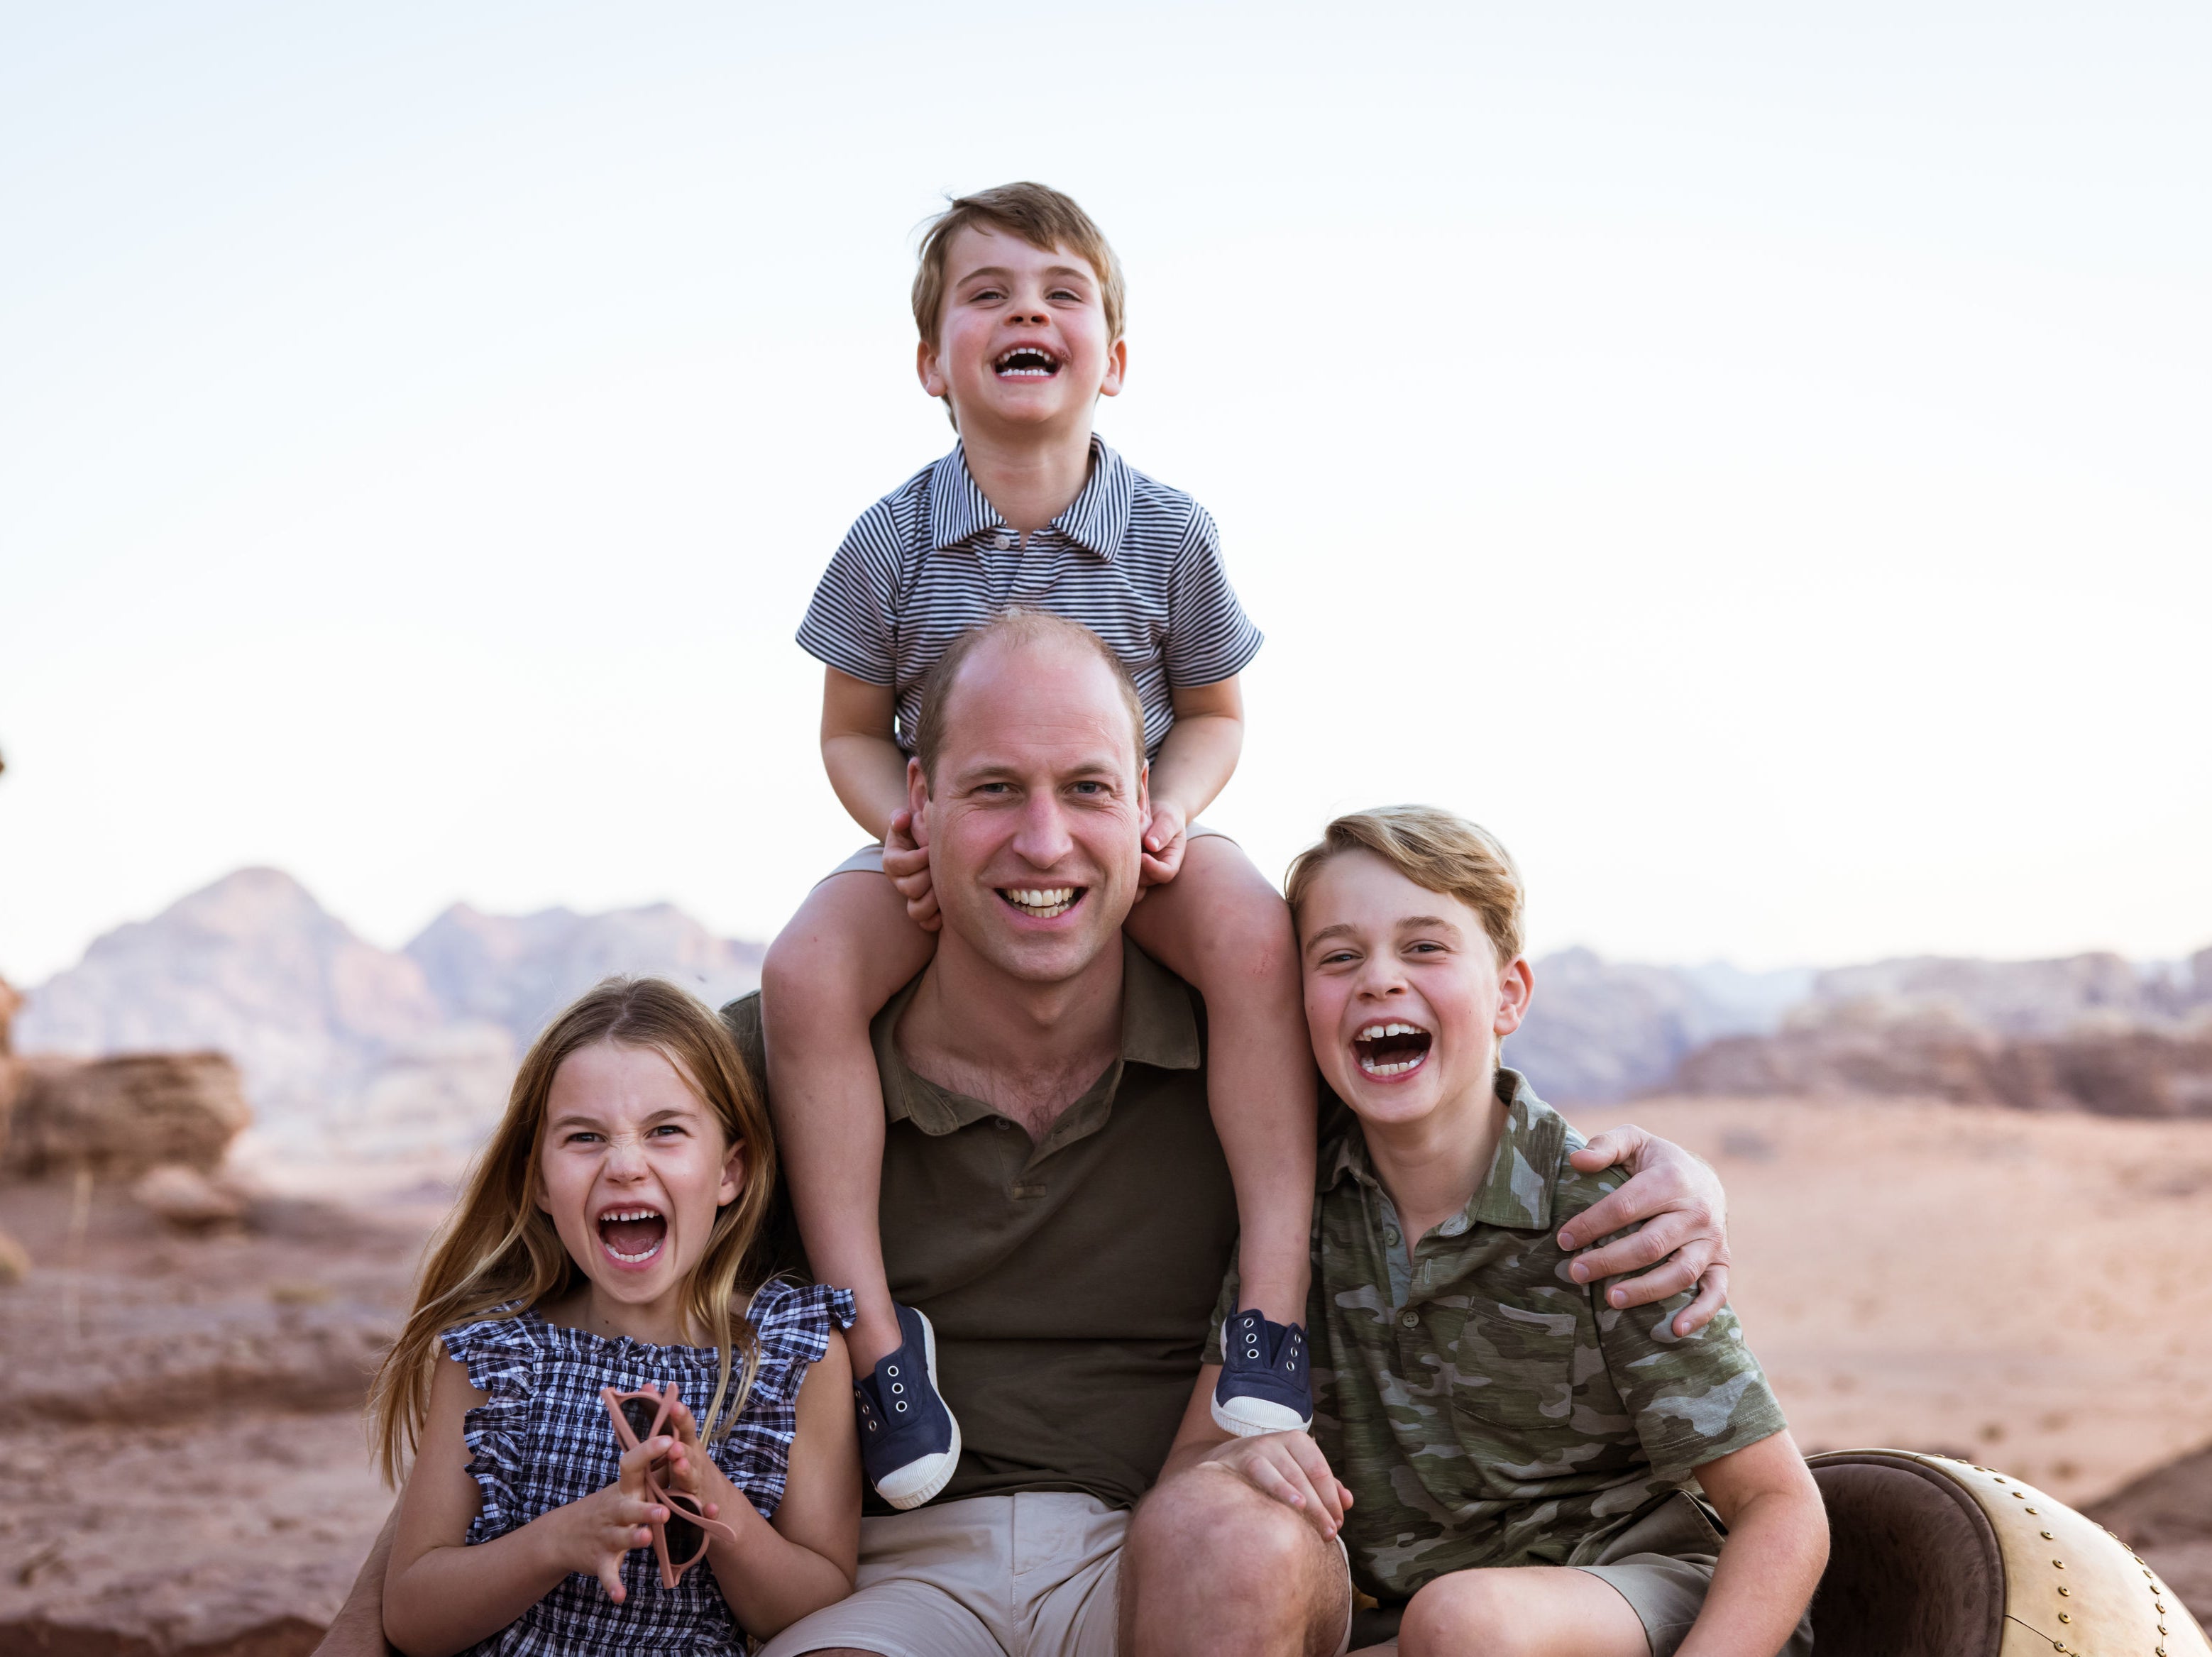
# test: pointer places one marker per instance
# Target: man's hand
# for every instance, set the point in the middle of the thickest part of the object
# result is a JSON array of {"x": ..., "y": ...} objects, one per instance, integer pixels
[
  {"x": 1164, "y": 840},
  {"x": 1290, "y": 1467},
  {"x": 1685, "y": 1237},
  {"x": 906, "y": 862}
]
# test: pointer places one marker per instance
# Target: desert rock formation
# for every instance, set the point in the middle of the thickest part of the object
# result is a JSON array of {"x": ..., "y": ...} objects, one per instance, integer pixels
[{"x": 116, "y": 1118}]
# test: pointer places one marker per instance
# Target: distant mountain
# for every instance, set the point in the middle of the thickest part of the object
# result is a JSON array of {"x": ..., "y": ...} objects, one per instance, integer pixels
[
  {"x": 518, "y": 971},
  {"x": 347, "y": 1049},
  {"x": 1599, "y": 1030}
]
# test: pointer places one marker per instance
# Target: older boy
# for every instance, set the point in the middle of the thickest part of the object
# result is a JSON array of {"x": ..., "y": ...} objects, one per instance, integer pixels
[{"x": 1513, "y": 1451}]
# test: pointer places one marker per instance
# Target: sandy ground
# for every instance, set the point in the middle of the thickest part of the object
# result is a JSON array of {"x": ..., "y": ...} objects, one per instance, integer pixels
[{"x": 185, "y": 1475}]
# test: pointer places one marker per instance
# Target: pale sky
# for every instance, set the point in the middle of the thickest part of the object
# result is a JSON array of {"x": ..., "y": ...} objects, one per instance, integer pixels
[{"x": 1754, "y": 460}]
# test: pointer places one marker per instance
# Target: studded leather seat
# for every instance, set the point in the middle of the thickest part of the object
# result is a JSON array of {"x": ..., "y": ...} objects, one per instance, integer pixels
[{"x": 1933, "y": 1557}]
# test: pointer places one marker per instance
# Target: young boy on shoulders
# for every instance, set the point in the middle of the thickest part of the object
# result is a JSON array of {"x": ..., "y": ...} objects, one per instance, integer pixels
[
  {"x": 1516, "y": 1456},
  {"x": 1018, "y": 301}
]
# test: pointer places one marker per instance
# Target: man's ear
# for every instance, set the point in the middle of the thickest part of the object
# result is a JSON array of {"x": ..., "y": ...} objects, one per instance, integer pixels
[
  {"x": 1517, "y": 987},
  {"x": 1117, "y": 368},
  {"x": 917, "y": 801}
]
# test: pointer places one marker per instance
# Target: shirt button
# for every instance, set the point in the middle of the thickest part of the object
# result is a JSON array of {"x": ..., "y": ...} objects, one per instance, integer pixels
[
  {"x": 1412, "y": 1319},
  {"x": 1392, "y": 1237},
  {"x": 1003, "y": 1124}
]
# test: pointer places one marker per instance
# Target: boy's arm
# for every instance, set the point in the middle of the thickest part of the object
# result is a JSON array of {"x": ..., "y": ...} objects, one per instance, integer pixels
[
  {"x": 864, "y": 765},
  {"x": 1195, "y": 763},
  {"x": 1777, "y": 1547},
  {"x": 1288, "y": 1467}
]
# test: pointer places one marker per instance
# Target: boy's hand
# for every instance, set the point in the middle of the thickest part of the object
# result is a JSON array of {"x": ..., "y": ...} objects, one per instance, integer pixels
[
  {"x": 1684, "y": 1235},
  {"x": 594, "y": 1532},
  {"x": 907, "y": 863},
  {"x": 1164, "y": 841},
  {"x": 1290, "y": 1468}
]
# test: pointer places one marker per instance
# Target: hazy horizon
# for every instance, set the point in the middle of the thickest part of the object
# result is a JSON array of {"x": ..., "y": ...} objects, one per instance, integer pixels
[{"x": 1751, "y": 461}]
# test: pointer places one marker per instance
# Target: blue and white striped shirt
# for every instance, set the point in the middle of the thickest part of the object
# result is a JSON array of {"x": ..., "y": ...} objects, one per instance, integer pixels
[{"x": 1136, "y": 561}]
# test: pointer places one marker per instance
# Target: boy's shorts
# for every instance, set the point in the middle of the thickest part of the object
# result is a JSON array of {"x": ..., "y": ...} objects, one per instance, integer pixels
[
  {"x": 869, "y": 860},
  {"x": 1662, "y": 1564}
]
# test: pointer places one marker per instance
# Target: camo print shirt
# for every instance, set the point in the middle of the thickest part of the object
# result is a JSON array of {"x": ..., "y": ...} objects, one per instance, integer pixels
[{"x": 1484, "y": 1407}]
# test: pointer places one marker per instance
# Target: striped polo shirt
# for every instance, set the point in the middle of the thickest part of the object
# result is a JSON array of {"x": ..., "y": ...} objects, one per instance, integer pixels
[{"x": 1136, "y": 561}]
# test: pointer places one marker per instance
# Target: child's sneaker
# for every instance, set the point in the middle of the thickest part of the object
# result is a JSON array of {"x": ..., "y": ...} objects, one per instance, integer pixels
[
  {"x": 1263, "y": 1386},
  {"x": 909, "y": 1442}
]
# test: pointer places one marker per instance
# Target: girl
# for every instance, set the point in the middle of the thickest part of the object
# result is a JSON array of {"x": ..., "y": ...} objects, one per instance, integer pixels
[{"x": 603, "y": 1245}]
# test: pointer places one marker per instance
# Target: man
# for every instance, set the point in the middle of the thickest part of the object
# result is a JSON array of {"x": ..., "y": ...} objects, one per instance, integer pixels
[{"x": 1054, "y": 1201}]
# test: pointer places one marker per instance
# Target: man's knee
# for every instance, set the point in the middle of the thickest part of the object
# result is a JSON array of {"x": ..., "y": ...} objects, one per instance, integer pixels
[
  {"x": 1216, "y": 1521},
  {"x": 1475, "y": 1610}
]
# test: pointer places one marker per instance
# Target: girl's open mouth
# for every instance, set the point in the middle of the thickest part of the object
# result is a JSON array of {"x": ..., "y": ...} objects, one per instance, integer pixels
[
  {"x": 1392, "y": 1049},
  {"x": 632, "y": 1235}
]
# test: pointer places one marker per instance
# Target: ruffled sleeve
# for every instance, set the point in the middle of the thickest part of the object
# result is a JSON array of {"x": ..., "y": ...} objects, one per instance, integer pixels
[
  {"x": 501, "y": 1356},
  {"x": 792, "y": 1324}
]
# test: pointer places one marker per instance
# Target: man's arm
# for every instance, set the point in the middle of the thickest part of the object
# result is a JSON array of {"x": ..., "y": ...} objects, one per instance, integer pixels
[
  {"x": 1684, "y": 1235},
  {"x": 358, "y": 1629}
]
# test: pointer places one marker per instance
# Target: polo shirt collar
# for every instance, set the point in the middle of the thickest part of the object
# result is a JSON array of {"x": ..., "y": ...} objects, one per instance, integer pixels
[
  {"x": 1158, "y": 1027},
  {"x": 1524, "y": 1170},
  {"x": 1095, "y": 520}
]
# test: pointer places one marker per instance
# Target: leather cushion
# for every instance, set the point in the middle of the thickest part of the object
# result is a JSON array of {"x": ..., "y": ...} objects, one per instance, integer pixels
[{"x": 1914, "y": 1570}]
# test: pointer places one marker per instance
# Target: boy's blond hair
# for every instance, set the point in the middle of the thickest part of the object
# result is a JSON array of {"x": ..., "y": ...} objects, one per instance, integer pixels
[
  {"x": 1040, "y": 216},
  {"x": 1438, "y": 850}
]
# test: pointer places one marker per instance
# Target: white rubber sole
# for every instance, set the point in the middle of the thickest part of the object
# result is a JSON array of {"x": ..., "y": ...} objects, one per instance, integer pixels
[
  {"x": 918, "y": 1481},
  {"x": 1249, "y": 1417}
]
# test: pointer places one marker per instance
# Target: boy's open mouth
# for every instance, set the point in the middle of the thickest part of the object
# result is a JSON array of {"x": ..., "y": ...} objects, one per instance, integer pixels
[
  {"x": 1392, "y": 1049},
  {"x": 632, "y": 1235},
  {"x": 1025, "y": 362},
  {"x": 1042, "y": 902}
]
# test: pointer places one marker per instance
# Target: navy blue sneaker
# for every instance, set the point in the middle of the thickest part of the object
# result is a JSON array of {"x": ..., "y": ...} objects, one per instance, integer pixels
[
  {"x": 1264, "y": 1385},
  {"x": 909, "y": 1442}
]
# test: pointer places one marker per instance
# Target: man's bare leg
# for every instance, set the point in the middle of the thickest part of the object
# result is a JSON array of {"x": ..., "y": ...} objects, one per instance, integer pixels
[
  {"x": 1214, "y": 1568},
  {"x": 1529, "y": 1611}
]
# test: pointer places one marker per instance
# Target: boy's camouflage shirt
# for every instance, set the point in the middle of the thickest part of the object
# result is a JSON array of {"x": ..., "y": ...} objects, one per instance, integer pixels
[{"x": 1484, "y": 1407}]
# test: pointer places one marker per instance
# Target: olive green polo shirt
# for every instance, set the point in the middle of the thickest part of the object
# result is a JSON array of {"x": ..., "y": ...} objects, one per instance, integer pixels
[
  {"x": 1484, "y": 1407},
  {"x": 1070, "y": 1279}
]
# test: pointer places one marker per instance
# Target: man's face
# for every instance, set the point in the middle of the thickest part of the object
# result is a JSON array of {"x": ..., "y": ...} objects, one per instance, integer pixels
[
  {"x": 1033, "y": 821},
  {"x": 1022, "y": 342},
  {"x": 1405, "y": 1000}
]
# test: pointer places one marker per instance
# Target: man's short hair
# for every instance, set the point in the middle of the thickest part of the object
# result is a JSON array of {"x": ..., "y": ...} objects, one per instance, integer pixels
[
  {"x": 1040, "y": 216},
  {"x": 1018, "y": 625},
  {"x": 1438, "y": 850}
]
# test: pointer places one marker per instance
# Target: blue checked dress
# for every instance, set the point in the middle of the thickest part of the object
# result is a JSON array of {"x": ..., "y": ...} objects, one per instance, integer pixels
[{"x": 543, "y": 1438}]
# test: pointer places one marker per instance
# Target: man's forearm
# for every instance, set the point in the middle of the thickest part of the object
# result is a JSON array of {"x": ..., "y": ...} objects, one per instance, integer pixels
[{"x": 358, "y": 1629}]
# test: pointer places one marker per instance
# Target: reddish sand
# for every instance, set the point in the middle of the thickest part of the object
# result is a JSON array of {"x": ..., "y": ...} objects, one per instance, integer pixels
[{"x": 186, "y": 1473}]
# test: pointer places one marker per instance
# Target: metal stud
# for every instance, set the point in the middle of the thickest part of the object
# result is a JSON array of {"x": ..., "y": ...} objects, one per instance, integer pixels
[
  {"x": 2065, "y": 1592},
  {"x": 2060, "y": 1563},
  {"x": 2031, "y": 1510},
  {"x": 2064, "y": 1617},
  {"x": 2045, "y": 1535},
  {"x": 2020, "y": 1495}
]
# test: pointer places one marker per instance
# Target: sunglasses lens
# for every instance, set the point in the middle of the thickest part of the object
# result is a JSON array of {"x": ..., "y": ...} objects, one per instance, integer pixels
[
  {"x": 686, "y": 1541},
  {"x": 638, "y": 1412}
]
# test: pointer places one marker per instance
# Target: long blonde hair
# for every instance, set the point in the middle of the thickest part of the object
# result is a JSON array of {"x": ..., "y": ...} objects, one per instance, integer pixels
[{"x": 499, "y": 1252}]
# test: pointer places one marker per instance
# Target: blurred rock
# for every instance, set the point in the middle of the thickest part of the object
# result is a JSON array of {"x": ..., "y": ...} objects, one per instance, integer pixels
[
  {"x": 1932, "y": 1052},
  {"x": 118, "y": 1118},
  {"x": 187, "y": 1199},
  {"x": 2166, "y": 1517}
]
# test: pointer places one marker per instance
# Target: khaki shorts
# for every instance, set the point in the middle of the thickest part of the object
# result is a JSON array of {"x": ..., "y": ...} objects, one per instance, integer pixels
[
  {"x": 1033, "y": 1575},
  {"x": 1662, "y": 1564},
  {"x": 869, "y": 860}
]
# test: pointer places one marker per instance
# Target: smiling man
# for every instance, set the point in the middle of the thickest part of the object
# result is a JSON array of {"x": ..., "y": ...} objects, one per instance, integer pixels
[{"x": 1053, "y": 1199}]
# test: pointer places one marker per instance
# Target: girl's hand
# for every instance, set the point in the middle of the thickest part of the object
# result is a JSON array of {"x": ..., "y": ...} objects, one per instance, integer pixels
[
  {"x": 907, "y": 863},
  {"x": 596, "y": 1531},
  {"x": 688, "y": 1465},
  {"x": 1164, "y": 840}
]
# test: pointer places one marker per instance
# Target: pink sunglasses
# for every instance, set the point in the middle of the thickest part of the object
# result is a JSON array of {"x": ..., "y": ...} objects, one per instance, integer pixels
[{"x": 679, "y": 1541}]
